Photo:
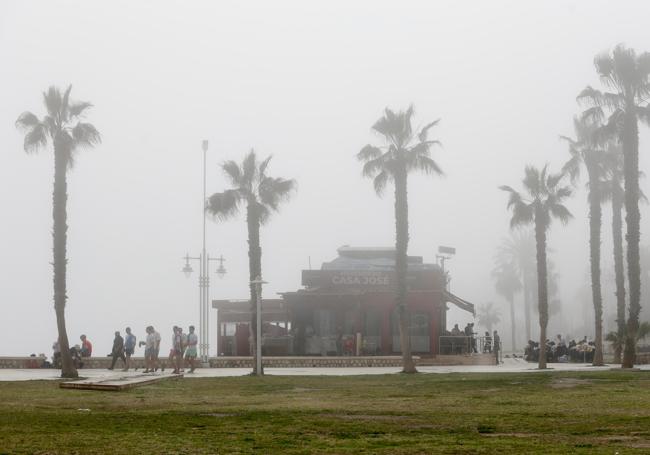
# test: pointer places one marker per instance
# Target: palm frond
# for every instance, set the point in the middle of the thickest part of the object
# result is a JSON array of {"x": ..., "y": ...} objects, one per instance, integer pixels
[
  {"x": 263, "y": 165},
  {"x": 52, "y": 101},
  {"x": 233, "y": 172},
  {"x": 424, "y": 132},
  {"x": 532, "y": 180},
  {"x": 424, "y": 164},
  {"x": 560, "y": 212},
  {"x": 35, "y": 138},
  {"x": 224, "y": 205},
  {"x": 369, "y": 152},
  {"x": 590, "y": 96},
  {"x": 65, "y": 104},
  {"x": 373, "y": 167},
  {"x": 77, "y": 109},
  {"x": 249, "y": 167},
  {"x": 272, "y": 191},
  {"x": 27, "y": 120},
  {"x": 85, "y": 135},
  {"x": 380, "y": 182}
]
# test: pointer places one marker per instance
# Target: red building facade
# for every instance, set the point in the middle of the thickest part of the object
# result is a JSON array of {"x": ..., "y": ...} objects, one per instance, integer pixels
[{"x": 348, "y": 308}]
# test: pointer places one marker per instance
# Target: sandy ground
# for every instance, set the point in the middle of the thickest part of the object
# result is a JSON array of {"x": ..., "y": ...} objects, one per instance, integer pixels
[{"x": 508, "y": 366}]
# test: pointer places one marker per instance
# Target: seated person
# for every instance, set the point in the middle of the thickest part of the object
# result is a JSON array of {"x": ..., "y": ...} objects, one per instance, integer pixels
[{"x": 86, "y": 346}]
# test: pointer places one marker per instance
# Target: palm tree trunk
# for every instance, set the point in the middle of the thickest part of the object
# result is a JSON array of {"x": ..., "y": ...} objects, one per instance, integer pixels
[
  {"x": 617, "y": 233},
  {"x": 60, "y": 263},
  {"x": 542, "y": 286},
  {"x": 255, "y": 271},
  {"x": 595, "y": 225},
  {"x": 401, "y": 267},
  {"x": 632, "y": 218},
  {"x": 513, "y": 325}
]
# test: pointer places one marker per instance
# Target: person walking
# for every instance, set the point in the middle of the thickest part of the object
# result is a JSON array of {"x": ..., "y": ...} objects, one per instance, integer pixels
[
  {"x": 496, "y": 341},
  {"x": 176, "y": 354},
  {"x": 190, "y": 352},
  {"x": 129, "y": 347},
  {"x": 150, "y": 349},
  {"x": 118, "y": 350}
]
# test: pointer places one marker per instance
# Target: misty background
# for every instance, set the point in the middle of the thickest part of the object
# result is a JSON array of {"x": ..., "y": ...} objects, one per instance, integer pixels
[{"x": 303, "y": 81}]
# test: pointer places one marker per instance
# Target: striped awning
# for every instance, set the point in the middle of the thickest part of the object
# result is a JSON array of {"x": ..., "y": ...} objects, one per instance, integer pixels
[{"x": 460, "y": 303}]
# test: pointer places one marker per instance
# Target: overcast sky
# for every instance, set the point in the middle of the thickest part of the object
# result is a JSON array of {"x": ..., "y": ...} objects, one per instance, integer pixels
[{"x": 303, "y": 81}]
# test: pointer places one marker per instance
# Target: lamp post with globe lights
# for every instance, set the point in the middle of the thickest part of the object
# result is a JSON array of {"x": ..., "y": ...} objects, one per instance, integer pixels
[{"x": 204, "y": 279}]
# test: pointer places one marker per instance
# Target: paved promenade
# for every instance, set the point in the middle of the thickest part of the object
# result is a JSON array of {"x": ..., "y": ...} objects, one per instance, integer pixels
[{"x": 508, "y": 366}]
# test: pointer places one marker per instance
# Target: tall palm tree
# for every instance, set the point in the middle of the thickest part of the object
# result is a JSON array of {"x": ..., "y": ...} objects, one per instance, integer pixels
[
  {"x": 613, "y": 191},
  {"x": 261, "y": 195},
  {"x": 507, "y": 284},
  {"x": 519, "y": 249},
  {"x": 404, "y": 151},
  {"x": 583, "y": 152},
  {"x": 62, "y": 126},
  {"x": 541, "y": 202},
  {"x": 627, "y": 75}
]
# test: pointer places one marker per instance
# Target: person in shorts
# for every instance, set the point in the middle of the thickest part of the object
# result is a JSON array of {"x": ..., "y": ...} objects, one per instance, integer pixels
[
  {"x": 129, "y": 347},
  {"x": 190, "y": 351},
  {"x": 150, "y": 351}
]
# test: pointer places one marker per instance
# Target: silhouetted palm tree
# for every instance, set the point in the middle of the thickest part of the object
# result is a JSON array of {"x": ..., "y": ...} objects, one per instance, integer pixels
[
  {"x": 541, "y": 203},
  {"x": 261, "y": 195},
  {"x": 62, "y": 127},
  {"x": 507, "y": 284},
  {"x": 627, "y": 75},
  {"x": 583, "y": 152},
  {"x": 404, "y": 151},
  {"x": 519, "y": 250}
]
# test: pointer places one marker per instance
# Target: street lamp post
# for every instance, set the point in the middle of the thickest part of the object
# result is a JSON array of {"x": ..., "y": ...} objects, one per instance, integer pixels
[
  {"x": 258, "y": 282},
  {"x": 204, "y": 279}
]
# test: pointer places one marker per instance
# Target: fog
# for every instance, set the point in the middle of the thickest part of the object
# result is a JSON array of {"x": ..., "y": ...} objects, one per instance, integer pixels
[{"x": 303, "y": 81}]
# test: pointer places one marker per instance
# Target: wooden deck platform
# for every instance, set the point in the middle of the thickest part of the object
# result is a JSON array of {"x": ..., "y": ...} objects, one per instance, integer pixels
[{"x": 117, "y": 383}]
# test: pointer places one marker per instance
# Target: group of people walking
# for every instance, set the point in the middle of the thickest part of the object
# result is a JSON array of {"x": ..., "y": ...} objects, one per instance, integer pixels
[{"x": 184, "y": 347}]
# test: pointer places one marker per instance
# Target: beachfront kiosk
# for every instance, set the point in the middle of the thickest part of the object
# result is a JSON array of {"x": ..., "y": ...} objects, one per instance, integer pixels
[{"x": 346, "y": 308}]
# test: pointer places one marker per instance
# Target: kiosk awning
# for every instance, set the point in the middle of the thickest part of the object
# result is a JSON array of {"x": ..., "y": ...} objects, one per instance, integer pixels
[{"x": 460, "y": 303}]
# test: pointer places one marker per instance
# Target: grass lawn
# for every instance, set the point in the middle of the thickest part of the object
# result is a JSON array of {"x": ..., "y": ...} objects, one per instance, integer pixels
[{"x": 601, "y": 412}]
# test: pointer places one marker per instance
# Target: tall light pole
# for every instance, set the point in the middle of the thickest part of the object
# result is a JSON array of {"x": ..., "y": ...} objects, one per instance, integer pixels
[
  {"x": 258, "y": 282},
  {"x": 204, "y": 279}
]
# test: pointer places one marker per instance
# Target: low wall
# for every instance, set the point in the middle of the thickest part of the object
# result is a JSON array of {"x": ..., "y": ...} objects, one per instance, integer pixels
[
  {"x": 309, "y": 362},
  {"x": 228, "y": 362}
]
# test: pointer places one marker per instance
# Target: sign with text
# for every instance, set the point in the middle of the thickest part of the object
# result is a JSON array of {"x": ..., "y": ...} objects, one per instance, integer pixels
[{"x": 368, "y": 279}]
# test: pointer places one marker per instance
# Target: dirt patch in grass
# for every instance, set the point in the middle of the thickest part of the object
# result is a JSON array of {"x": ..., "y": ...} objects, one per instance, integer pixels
[
  {"x": 365, "y": 417},
  {"x": 568, "y": 383}
]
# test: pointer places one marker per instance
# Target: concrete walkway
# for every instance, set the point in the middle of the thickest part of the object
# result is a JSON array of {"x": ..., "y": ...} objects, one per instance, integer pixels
[{"x": 508, "y": 366}]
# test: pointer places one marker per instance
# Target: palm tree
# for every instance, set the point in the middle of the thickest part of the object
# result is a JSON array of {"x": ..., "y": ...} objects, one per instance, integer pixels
[
  {"x": 541, "y": 203},
  {"x": 261, "y": 195},
  {"x": 519, "y": 249},
  {"x": 507, "y": 284},
  {"x": 613, "y": 191},
  {"x": 488, "y": 316},
  {"x": 404, "y": 151},
  {"x": 627, "y": 76},
  {"x": 583, "y": 152},
  {"x": 62, "y": 126},
  {"x": 619, "y": 341}
]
